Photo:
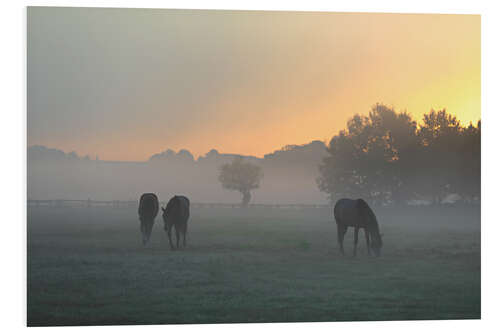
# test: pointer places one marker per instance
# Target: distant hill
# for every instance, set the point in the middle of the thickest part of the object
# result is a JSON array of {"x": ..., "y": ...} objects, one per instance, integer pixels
[
  {"x": 289, "y": 175},
  {"x": 43, "y": 153},
  {"x": 290, "y": 155},
  {"x": 213, "y": 156},
  {"x": 169, "y": 155},
  {"x": 305, "y": 156}
]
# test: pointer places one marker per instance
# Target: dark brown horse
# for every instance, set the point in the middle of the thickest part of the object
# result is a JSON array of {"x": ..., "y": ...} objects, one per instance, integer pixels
[
  {"x": 176, "y": 214},
  {"x": 148, "y": 209},
  {"x": 357, "y": 214}
]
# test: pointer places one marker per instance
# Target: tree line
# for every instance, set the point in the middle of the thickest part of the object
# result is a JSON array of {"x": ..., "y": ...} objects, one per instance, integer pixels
[
  {"x": 389, "y": 158},
  {"x": 385, "y": 157}
]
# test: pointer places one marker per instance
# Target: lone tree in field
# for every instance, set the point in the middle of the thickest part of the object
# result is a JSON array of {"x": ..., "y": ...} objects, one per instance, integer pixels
[{"x": 240, "y": 176}]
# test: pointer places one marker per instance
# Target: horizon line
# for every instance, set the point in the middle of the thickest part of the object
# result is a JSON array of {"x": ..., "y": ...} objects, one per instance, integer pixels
[{"x": 196, "y": 158}]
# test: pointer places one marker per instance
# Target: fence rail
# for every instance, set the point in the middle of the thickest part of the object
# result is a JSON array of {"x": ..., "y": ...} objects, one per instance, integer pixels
[{"x": 132, "y": 203}]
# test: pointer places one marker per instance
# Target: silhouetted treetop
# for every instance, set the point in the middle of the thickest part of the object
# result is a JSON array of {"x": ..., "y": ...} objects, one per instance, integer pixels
[
  {"x": 170, "y": 155},
  {"x": 38, "y": 152},
  {"x": 387, "y": 157}
]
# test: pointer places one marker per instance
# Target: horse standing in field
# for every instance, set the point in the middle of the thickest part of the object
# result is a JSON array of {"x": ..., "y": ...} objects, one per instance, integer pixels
[
  {"x": 357, "y": 214},
  {"x": 176, "y": 214},
  {"x": 148, "y": 209}
]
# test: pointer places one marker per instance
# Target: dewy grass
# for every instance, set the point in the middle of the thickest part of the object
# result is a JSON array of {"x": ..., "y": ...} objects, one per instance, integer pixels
[{"x": 88, "y": 267}]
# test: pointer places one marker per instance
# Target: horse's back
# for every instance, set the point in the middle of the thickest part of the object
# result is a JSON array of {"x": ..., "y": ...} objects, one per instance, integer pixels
[
  {"x": 178, "y": 207},
  {"x": 148, "y": 205},
  {"x": 184, "y": 201},
  {"x": 347, "y": 212},
  {"x": 184, "y": 207}
]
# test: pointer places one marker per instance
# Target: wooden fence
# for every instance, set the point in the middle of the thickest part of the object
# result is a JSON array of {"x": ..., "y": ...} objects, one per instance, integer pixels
[{"x": 122, "y": 204}]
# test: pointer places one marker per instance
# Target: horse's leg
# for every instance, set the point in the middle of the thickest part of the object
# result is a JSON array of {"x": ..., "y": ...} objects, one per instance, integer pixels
[
  {"x": 169, "y": 232},
  {"x": 143, "y": 232},
  {"x": 184, "y": 235},
  {"x": 146, "y": 233},
  {"x": 367, "y": 236},
  {"x": 177, "y": 236},
  {"x": 150, "y": 229},
  {"x": 356, "y": 232},
  {"x": 340, "y": 236}
]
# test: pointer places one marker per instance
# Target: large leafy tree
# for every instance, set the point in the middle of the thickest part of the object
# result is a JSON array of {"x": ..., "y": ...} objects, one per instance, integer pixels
[
  {"x": 368, "y": 159},
  {"x": 441, "y": 136},
  {"x": 469, "y": 168},
  {"x": 240, "y": 176},
  {"x": 387, "y": 157},
  {"x": 338, "y": 175},
  {"x": 395, "y": 148}
]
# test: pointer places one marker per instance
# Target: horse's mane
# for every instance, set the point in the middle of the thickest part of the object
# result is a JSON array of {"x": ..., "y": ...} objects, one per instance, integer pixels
[{"x": 369, "y": 212}]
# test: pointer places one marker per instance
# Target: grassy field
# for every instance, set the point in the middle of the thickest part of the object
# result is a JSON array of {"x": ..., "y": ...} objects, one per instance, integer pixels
[{"x": 87, "y": 266}]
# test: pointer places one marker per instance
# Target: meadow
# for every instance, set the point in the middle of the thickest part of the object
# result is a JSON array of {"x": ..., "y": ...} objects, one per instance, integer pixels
[{"x": 87, "y": 266}]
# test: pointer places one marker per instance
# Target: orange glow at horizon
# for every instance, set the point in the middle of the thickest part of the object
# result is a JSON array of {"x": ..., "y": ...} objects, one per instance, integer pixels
[{"x": 284, "y": 78}]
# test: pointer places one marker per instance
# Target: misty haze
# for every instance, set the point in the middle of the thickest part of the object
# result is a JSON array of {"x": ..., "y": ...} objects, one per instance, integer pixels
[
  {"x": 53, "y": 174},
  {"x": 199, "y": 166}
]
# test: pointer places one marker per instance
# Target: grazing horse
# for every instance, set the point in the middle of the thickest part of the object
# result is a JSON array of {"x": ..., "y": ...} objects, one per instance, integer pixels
[
  {"x": 357, "y": 214},
  {"x": 176, "y": 214},
  {"x": 148, "y": 209}
]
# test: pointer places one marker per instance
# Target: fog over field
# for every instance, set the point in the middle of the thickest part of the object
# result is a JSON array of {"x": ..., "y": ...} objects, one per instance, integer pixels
[
  {"x": 289, "y": 176},
  {"x": 87, "y": 266},
  {"x": 266, "y": 263},
  {"x": 261, "y": 123}
]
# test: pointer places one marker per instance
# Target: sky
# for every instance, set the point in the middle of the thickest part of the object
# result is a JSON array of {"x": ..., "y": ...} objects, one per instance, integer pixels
[{"x": 124, "y": 84}]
